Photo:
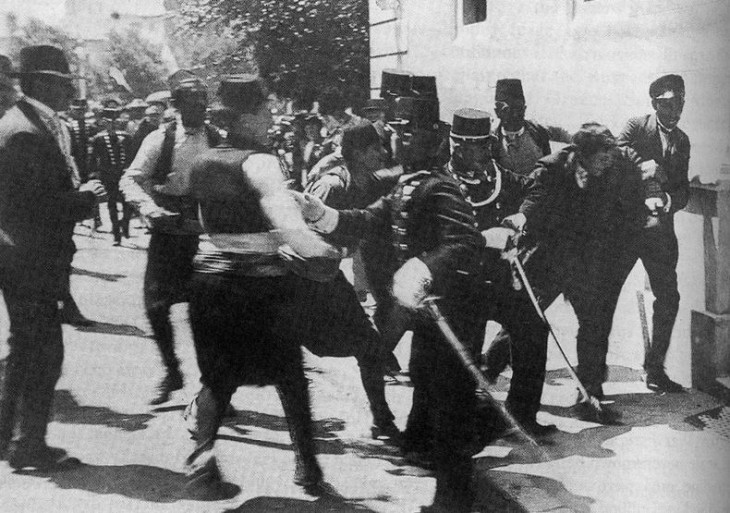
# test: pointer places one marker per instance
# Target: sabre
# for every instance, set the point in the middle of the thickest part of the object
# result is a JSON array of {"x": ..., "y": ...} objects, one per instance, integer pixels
[
  {"x": 471, "y": 367},
  {"x": 586, "y": 397}
]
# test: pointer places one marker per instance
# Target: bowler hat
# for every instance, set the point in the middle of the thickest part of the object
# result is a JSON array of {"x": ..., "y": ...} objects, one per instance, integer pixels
[
  {"x": 242, "y": 92},
  {"x": 395, "y": 82},
  {"x": 425, "y": 86},
  {"x": 664, "y": 86},
  {"x": 470, "y": 124},
  {"x": 44, "y": 60},
  {"x": 509, "y": 89}
]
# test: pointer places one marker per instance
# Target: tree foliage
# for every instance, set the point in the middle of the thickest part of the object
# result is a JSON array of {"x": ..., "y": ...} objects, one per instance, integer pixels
[
  {"x": 303, "y": 47},
  {"x": 36, "y": 32},
  {"x": 139, "y": 60}
]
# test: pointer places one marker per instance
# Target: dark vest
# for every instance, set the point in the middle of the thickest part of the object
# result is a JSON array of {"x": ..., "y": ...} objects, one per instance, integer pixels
[
  {"x": 226, "y": 202},
  {"x": 180, "y": 204}
]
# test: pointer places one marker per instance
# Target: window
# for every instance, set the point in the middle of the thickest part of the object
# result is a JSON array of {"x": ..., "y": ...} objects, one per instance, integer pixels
[{"x": 475, "y": 11}]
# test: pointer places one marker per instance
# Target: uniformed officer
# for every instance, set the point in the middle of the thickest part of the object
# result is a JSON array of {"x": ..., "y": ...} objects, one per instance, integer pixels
[
  {"x": 429, "y": 234},
  {"x": 494, "y": 193},
  {"x": 109, "y": 158}
]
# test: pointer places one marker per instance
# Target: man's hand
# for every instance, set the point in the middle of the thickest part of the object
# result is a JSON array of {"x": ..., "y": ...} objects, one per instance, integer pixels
[
  {"x": 311, "y": 206},
  {"x": 412, "y": 283},
  {"x": 161, "y": 219},
  {"x": 654, "y": 204},
  {"x": 498, "y": 238},
  {"x": 515, "y": 222},
  {"x": 96, "y": 187},
  {"x": 648, "y": 169}
]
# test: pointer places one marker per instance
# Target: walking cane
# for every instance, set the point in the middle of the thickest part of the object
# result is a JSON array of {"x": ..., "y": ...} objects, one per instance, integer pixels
[
  {"x": 472, "y": 368},
  {"x": 587, "y": 398}
]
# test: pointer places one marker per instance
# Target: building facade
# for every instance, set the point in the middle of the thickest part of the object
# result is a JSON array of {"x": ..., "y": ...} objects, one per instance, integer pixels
[{"x": 592, "y": 60}]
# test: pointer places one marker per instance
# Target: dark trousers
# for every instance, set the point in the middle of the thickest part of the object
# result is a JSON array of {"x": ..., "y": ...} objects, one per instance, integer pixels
[
  {"x": 117, "y": 205},
  {"x": 240, "y": 338},
  {"x": 522, "y": 343},
  {"x": 166, "y": 279},
  {"x": 442, "y": 417},
  {"x": 331, "y": 323},
  {"x": 658, "y": 250},
  {"x": 33, "y": 365}
]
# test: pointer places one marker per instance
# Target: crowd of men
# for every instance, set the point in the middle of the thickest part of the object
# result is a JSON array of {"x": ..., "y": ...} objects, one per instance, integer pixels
[{"x": 453, "y": 224}]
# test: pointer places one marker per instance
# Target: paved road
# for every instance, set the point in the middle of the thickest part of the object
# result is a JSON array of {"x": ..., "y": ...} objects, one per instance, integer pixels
[{"x": 654, "y": 462}]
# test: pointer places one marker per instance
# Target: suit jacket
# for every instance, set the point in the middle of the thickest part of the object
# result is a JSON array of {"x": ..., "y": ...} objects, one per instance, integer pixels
[
  {"x": 582, "y": 232},
  {"x": 39, "y": 204},
  {"x": 539, "y": 134},
  {"x": 641, "y": 136}
]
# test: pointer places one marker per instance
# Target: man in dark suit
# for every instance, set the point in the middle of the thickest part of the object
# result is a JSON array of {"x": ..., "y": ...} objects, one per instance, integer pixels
[
  {"x": 40, "y": 202},
  {"x": 663, "y": 150}
]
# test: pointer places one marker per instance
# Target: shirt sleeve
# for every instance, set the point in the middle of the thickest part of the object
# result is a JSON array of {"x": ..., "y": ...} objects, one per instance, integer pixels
[{"x": 135, "y": 183}]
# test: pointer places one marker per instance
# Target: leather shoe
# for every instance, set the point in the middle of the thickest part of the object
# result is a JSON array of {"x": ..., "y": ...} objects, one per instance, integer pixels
[
  {"x": 660, "y": 383},
  {"x": 40, "y": 457}
]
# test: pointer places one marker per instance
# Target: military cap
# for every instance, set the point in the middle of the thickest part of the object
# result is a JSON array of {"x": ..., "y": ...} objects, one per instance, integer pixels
[
  {"x": 185, "y": 80},
  {"x": 359, "y": 137},
  {"x": 470, "y": 124},
  {"x": 79, "y": 103},
  {"x": 242, "y": 92},
  {"x": 422, "y": 112},
  {"x": 110, "y": 112},
  {"x": 509, "y": 89},
  {"x": 395, "y": 82},
  {"x": 425, "y": 86},
  {"x": 375, "y": 104},
  {"x": 666, "y": 86}
]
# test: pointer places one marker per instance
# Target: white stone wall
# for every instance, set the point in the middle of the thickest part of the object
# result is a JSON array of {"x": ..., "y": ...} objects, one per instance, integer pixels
[
  {"x": 578, "y": 60},
  {"x": 582, "y": 61}
]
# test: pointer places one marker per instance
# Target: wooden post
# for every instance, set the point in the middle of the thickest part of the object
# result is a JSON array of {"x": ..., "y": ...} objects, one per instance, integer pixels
[{"x": 711, "y": 327}]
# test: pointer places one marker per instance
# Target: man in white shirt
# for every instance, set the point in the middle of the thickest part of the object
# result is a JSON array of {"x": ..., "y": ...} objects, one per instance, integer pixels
[{"x": 157, "y": 183}]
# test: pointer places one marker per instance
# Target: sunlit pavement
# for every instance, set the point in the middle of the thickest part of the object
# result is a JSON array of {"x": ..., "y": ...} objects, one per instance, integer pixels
[{"x": 659, "y": 458}]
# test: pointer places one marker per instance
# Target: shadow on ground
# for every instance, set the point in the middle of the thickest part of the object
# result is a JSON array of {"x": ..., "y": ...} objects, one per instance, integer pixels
[
  {"x": 140, "y": 482},
  {"x": 326, "y": 504},
  {"x": 107, "y": 328},
  {"x": 511, "y": 492},
  {"x": 98, "y": 275},
  {"x": 68, "y": 411}
]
